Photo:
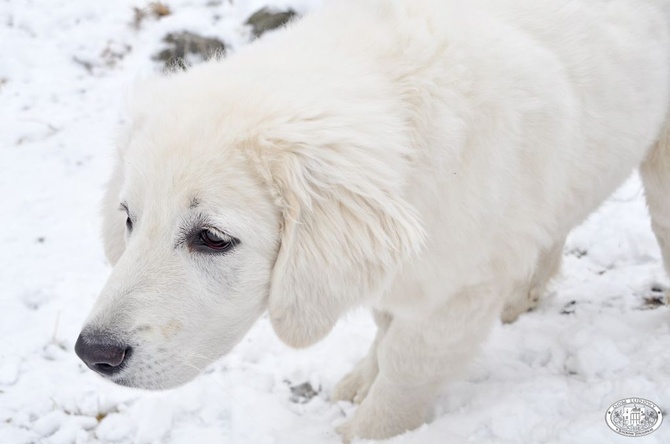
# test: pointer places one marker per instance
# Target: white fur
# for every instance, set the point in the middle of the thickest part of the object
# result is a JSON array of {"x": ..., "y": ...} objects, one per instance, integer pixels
[{"x": 424, "y": 158}]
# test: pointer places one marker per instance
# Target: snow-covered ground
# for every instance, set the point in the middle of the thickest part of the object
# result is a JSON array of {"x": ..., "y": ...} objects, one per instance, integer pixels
[{"x": 597, "y": 337}]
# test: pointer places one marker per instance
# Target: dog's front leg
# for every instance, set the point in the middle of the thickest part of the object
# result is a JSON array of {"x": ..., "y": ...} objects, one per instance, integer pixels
[
  {"x": 355, "y": 386},
  {"x": 415, "y": 357}
]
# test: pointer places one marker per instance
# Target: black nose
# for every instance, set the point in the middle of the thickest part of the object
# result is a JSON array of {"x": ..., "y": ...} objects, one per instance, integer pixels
[{"x": 101, "y": 353}]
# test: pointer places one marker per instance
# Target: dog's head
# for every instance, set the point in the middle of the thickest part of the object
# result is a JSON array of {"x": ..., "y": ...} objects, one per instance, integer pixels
[{"x": 225, "y": 203}]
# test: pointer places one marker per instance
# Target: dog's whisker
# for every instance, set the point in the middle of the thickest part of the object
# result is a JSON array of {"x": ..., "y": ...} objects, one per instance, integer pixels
[
  {"x": 203, "y": 360},
  {"x": 209, "y": 377}
]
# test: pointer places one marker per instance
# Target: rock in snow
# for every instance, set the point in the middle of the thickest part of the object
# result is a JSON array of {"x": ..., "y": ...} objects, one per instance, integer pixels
[
  {"x": 267, "y": 19},
  {"x": 185, "y": 43}
]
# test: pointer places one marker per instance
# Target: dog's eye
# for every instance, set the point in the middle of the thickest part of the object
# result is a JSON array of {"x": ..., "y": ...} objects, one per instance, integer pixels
[
  {"x": 129, "y": 221},
  {"x": 213, "y": 241}
]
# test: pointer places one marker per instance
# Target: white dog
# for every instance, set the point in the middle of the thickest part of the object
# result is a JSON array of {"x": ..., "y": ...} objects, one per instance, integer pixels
[{"x": 424, "y": 158}]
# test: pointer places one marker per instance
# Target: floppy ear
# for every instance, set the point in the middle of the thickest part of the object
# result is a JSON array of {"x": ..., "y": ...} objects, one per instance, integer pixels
[
  {"x": 113, "y": 220},
  {"x": 345, "y": 231}
]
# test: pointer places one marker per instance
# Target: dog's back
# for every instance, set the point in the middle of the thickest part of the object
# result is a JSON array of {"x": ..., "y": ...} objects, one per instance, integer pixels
[{"x": 543, "y": 108}]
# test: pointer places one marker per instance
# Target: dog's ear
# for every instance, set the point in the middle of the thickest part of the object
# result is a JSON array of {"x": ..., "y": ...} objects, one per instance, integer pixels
[
  {"x": 113, "y": 219},
  {"x": 345, "y": 230}
]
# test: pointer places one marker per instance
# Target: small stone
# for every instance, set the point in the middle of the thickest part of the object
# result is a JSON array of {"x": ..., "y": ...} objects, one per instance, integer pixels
[
  {"x": 569, "y": 308},
  {"x": 183, "y": 44},
  {"x": 266, "y": 19},
  {"x": 302, "y": 393},
  {"x": 654, "y": 301}
]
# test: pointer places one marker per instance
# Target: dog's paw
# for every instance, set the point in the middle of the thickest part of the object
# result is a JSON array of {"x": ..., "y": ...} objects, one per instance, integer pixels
[
  {"x": 355, "y": 386},
  {"x": 388, "y": 410},
  {"x": 346, "y": 431},
  {"x": 378, "y": 422}
]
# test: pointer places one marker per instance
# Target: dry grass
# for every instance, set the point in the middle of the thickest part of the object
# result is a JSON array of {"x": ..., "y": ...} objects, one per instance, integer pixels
[{"x": 153, "y": 10}]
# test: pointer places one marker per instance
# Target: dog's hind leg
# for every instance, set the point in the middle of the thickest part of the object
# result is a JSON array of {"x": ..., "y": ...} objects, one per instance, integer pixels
[
  {"x": 655, "y": 173},
  {"x": 354, "y": 386},
  {"x": 526, "y": 294}
]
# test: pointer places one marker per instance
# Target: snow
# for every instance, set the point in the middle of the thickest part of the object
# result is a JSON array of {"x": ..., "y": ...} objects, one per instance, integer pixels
[{"x": 596, "y": 338}]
